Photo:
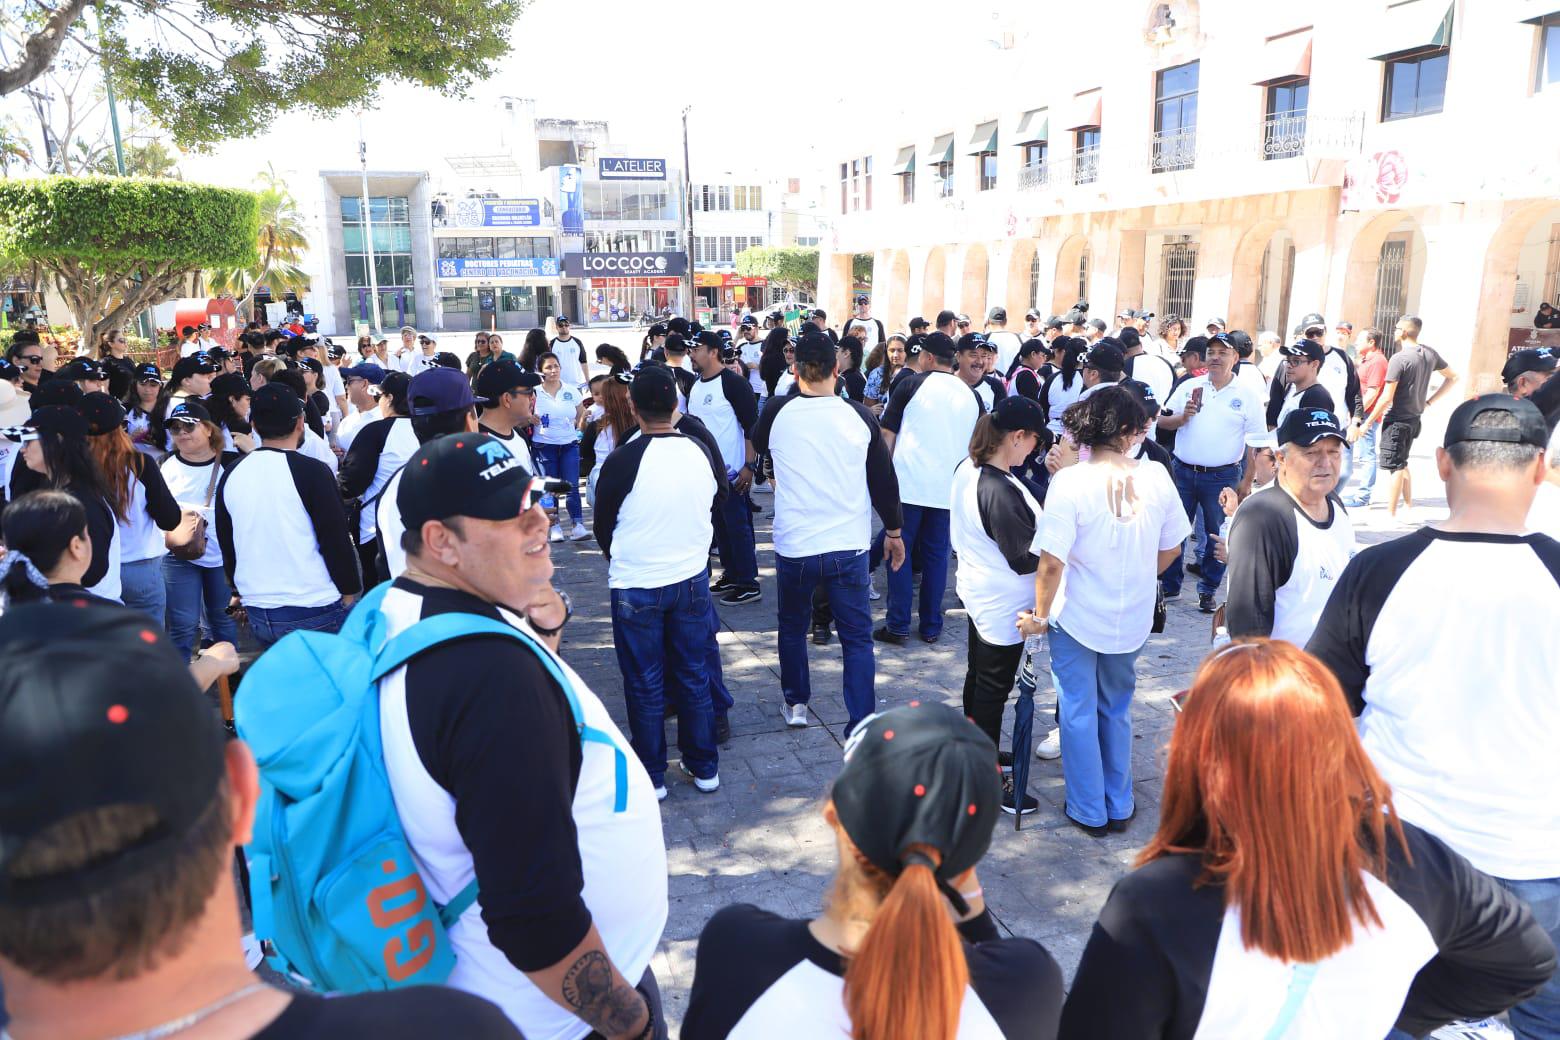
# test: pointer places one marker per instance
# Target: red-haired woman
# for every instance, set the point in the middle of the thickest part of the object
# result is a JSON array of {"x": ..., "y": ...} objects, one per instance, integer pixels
[
  {"x": 905, "y": 949},
  {"x": 1282, "y": 896}
]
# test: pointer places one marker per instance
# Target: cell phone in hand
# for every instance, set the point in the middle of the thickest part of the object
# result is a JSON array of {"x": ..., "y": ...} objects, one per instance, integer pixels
[{"x": 1197, "y": 397}]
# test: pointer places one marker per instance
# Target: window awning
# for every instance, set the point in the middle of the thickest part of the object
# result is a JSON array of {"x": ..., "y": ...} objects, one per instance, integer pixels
[
  {"x": 1419, "y": 25},
  {"x": 1288, "y": 57},
  {"x": 942, "y": 150},
  {"x": 1538, "y": 18},
  {"x": 1035, "y": 127},
  {"x": 905, "y": 164},
  {"x": 985, "y": 139},
  {"x": 1085, "y": 111}
]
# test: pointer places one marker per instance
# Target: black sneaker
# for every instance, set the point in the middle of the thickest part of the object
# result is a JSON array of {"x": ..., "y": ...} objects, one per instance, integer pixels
[
  {"x": 1011, "y": 806},
  {"x": 1194, "y": 568},
  {"x": 1205, "y": 602},
  {"x": 742, "y": 594},
  {"x": 722, "y": 729},
  {"x": 722, "y": 585},
  {"x": 1093, "y": 832},
  {"x": 883, "y": 635},
  {"x": 821, "y": 634},
  {"x": 930, "y": 639},
  {"x": 1168, "y": 595}
]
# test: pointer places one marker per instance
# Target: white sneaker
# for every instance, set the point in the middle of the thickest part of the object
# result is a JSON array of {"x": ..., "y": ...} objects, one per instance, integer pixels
[
  {"x": 873, "y": 594},
  {"x": 254, "y": 953},
  {"x": 660, "y": 793},
  {"x": 712, "y": 784},
  {"x": 1050, "y": 747},
  {"x": 579, "y": 533},
  {"x": 765, "y": 488},
  {"x": 796, "y": 715},
  {"x": 556, "y": 534}
]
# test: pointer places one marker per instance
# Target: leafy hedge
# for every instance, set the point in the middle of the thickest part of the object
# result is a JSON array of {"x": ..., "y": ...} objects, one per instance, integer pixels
[{"x": 115, "y": 221}]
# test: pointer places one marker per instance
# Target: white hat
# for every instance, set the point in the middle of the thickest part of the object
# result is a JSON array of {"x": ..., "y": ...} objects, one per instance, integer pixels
[
  {"x": 14, "y": 408},
  {"x": 1262, "y": 440}
]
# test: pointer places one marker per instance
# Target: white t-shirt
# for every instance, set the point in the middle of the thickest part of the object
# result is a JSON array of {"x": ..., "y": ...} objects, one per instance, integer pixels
[
  {"x": 1155, "y": 372},
  {"x": 1216, "y": 435},
  {"x": 932, "y": 415},
  {"x": 752, "y": 354},
  {"x": 1007, "y": 344},
  {"x": 555, "y": 414},
  {"x": 1106, "y": 600},
  {"x": 414, "y": 362},
  {"x": 188, "y": 483},
  {"x": 348, "y": 428},
  {"x": 992, "y": 591},
  {"x": 1059, "y": 398},
  {"x": 569, "y": 367}
]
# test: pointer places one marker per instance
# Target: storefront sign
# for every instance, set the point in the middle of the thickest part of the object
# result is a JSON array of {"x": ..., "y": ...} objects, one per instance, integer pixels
[
  {"x": 633, "y": 169},
  {"x": 716, "y": 280},
  {"x": 496, "y": 213},
  {"x": 510, "y": 267},
  {"x": 636, "y": 283},
  {"x": 601, "y": 265}
]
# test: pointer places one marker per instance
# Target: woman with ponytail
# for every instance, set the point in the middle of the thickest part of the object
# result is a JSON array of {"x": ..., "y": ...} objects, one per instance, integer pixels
[
  {"x": 48, "y": 549},
  {"x": 905, "y": 947}
]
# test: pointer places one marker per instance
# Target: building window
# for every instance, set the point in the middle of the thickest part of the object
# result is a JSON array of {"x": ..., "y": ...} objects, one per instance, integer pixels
[
  {"x": 1034, "y": 280},
  {"x": 1086, "y": 155},
  {"x": 986, "y": 162},
  {"x": 1391, "y": 283},
  {"x": 1283, "y": 133},
  {"x": 1034, "y": 153},
  {"x": 392, "y": 240},
  {"x": 907, "y": 187},
  {"x": 725, "y": 249},
  {"x": 1548, "y": 52},
  {"x": 1175, "y": 118},
  {"x": 739, "y": 197},
  {"x": 706, "y": 198},
  {"x": 944, "y": 179},
  {"x": 456, "y": 301},
  {"x": 856, "y": 185},
  {"x": 755, "y": 197},
  {"x": 1083, "y": 274},
  {"x": 723, "y": 197},
  {"x": 1178, "y": 275},
  {"x": 1415, "y": 85}
]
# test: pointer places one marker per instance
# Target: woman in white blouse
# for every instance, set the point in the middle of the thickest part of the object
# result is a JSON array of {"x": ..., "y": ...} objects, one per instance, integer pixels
[{"x": 1111, "y": 524}]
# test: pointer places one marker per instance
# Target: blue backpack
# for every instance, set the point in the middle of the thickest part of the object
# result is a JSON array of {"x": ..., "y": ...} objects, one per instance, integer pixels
[{"x": 333, "y": 886}]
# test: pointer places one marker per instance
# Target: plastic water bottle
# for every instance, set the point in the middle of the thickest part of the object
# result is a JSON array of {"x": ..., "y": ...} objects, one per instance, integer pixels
[{"x": 1026, "y": 673}]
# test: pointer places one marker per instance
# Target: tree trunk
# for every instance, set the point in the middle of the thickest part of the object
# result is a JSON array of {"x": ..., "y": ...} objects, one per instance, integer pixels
[{"x": 39, "y": 50}]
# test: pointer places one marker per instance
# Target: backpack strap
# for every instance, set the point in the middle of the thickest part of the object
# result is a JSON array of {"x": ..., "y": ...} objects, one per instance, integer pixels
[
  {"x": 450, "y": 912},
  {"x": 1300, "y": 978}
]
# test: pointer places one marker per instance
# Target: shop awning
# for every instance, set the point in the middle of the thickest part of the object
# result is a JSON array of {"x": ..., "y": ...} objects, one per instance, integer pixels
[
  {"x": 942, "y": 150},
  {"x": 1287, "y": 57},
  {"x": 1417, "y": 25},
  {"x": 1034, "y": 127},
  {"x": 1085, "y": 111},
  {"x": 905, "y": 164},
  {"x": 1537, "y": 18},
  {"x": 985, "y": 139}
]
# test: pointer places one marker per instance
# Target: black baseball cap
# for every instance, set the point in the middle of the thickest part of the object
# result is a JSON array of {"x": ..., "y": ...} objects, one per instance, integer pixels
[
  {"x": 501, "y": 377},
  {"x": 96, "y": 710},
  {"x": 1533, "y": 359},
  {"x": 1306, "y": 426},
  {"x": 748, "y": 321},
  {"x": 1106, "y": 357},
  {"x": 939, "y": 345},
  {"x": 675, "y": 343},
  {"x": 914, "y": 345},
  {"x": 1145, "y": 395},
  {"x": 231, "y": 384},
  {"x": 1309, "y": 322},
  {"x": 922, "y": 774},
  {"x": 437, "y": 390},
  {"x": 658, "y": 329},
  {"x": 562, "y": 319},
  {"x": 83, "y": 369},
  {"x": 1016, "y": 412},
  {"x": 64, "y": 420},
  {"x": 919, "y": 322},
  {"x": 195, "y": 364},
  {"x": 275, "y": 401},
  {"x": 708, "y": 339},
  {"x": 654, "y": 390},
  {"x": 102, "y": 412},
  {"x": 997, "y": 314},
  {"x": 946, "y": 317},
  {"x": 1305, "y": 349},
  {"x": 446, "y": 359},
  {"x": 815, "y": 348},
  {"x": 309, "y": 364},
  {"x": 1053, "y": 322},
  {"x": 862, "y": 298},
  {"x": 148, "y": 373},
  {"x": 57, "y": 391},
  {"x": 1531, "y": 428},
  {"x": 1032, "y": 315},
  {"x": 463, "y": 474},
  {"x": 970, "y": 341},
  {"x": 189, "y": 411},
  {"x": 818, "y": 312}
]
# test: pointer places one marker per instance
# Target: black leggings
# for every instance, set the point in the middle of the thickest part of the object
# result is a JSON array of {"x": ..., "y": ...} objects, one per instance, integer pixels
[{"x": 988, "y": 679}]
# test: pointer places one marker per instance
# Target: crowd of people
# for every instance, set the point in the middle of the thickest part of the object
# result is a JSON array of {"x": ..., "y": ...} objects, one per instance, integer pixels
[{"x": 1354, "y": 835}]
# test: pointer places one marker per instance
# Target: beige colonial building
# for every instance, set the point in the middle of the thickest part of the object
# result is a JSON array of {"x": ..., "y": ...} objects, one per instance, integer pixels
[{"x": 1252, "y": 161}]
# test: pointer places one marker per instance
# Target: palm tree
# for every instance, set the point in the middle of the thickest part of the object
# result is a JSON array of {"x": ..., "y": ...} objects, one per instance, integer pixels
[
  {"x": 280, "y": 247},
  {"x": 13, "y": 147}
]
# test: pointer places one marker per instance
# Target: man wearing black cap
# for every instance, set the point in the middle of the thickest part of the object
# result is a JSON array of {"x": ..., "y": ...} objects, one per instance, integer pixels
[
  {"x": 927, "y": 426},
  {"x": 751, "y": 347},
  {"x": 1103, "y": 365},
  {"x": 653, "y": 522},
  {"x": 1527, "y": 370},
  {"x": 283, "y": 529},
  {"x": 1290, "y": 542},
  {"x": 1303, "y": 363},
  {"x": 1439, "y": 641},
  {"x": 948, "y": 324},
  {"x": 972, "y": 356},
  {"x": 118, "y": 909},
  {"x": 571, "y": 353},
  {"x": 821, "y": 321},
  {"x": 863, "y": 317},
  {"x": 832, "y": 470},
  {"x": 724, "y": 403},
  {"x": 1005, "y": 342},
  {"x": 379, "y": 449},
  {"x": 442, "y": 403},
  {"x": 506, "y": 402},
  {"x": 86, "y": 373}
]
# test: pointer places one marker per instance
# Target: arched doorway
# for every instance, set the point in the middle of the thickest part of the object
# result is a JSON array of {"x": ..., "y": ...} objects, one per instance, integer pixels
[
  {"x": 1261, "y": 276},
  {"x": 1072, "y": 274},
  {"x": 1023, "y": 279},
  {"x": 934, "y": 282},
  {"x": 972, "y": 284},
  {"x": 891, "y": 292},
  {"x": 1386, "y": 269},
  {"x": 1521, "y": 270}
]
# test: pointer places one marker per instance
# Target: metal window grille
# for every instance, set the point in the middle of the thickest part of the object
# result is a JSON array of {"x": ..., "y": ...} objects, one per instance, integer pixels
[
  {"x": 1391, "y": 277},
  {"x": 1178, "y": 276}
]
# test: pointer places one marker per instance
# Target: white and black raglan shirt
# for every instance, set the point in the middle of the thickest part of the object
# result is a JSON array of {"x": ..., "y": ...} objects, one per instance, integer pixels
[
  {"x": 378, "y": 452},
  {"x": 759, "y": 976},
  {"x": 990, "y": 390},
  {"x": 1313, "y": 398},
  {"x": 188, "y": 483},
  {"x": 653, "y": 503},
  {"x": 1155, "y": 371},
  {"x": 992, "y": 528},
  {"x": 1007, "y": 344},
  {"x": 1026, "y": 383},
  {"x": 283, "y": 532},
  {"x": 1440, "y": 641},
  {"x": 832, "y": 469},
  {"x": 1284, "y": 564},
  {"x": 152, "y": 510},
  {"x": 491, "y": 781},
  {"x": 515, "y": 440},
  {"x": 726, "y": 406},
  {"x": 874, "y": 327},
  {"x": 1452, "y": 944},
  {"x": 931, "y": 415}
]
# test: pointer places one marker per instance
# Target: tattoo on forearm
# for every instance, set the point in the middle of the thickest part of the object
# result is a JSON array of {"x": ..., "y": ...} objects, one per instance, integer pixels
[{"x": 589, "y": 990}]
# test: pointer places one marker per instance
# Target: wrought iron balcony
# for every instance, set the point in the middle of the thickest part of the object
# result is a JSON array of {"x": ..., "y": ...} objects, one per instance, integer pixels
[
  {"x": 1086, "y": 165},
  {"x": 1283, "y": 135},
  {"x": 1174, "y": 150},
  {"x": 1034, "y": 175}
]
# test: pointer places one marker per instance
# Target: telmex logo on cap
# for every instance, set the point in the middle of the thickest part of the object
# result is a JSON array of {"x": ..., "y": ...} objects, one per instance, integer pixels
[
  {"x": 1320, "y": 417},
  {"x": 501, "y": 458}
]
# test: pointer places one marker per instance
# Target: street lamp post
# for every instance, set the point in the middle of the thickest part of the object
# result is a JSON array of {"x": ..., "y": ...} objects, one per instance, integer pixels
[
  {"x": 375, "y": 324},
  {"x": 688, "y": 210}
]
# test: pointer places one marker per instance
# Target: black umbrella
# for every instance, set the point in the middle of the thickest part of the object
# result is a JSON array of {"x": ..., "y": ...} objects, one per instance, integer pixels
[{"x": 1024, "y": 724}]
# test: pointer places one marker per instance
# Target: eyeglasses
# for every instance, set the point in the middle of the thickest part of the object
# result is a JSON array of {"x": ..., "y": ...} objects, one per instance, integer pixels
[{"x": 31, "y": 359}]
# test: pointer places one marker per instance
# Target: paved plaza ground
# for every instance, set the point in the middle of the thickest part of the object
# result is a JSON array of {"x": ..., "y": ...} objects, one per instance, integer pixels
[{"x": 761, "y": 838}]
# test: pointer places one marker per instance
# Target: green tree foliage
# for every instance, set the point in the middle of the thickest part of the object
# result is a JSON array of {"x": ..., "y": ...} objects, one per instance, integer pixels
[
  {"x": 793, "y": 268},
  {"x": 279, "y": 249},
  {"x": 115, "y": 246},
  {"x": 214, "y": 69},
  {"x": 861, "y": 268}
]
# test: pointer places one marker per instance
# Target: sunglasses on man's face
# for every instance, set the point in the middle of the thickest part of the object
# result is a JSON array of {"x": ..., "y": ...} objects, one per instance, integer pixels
[{"x": 32, "y": 359}]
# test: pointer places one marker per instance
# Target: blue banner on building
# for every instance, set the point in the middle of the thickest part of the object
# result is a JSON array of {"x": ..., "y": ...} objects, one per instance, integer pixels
[
  {"x": 616, "y": 169},
  {"x": 508, "y": 267},
  {"x": 571, "y": 200},
  {"x": 496, "y": 213}
]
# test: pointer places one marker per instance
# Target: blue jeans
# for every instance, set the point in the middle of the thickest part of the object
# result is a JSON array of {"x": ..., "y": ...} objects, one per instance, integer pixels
[
  {"x": 734, "y": 540},
  {"x": 1365, "y": 465},
  {"x": 845, "y": 575},
  {"x": 1201, "y": 489},
  {"x": 925, "y": 530},
  {"x": 190, "y": 587},
  {"x": 562, "y": 462},
  {"x": 141, "y": 587},
  {"x": 661, "y": 633},
  {"x": 1539, "y": 1018},
  {"x": 1094, "y": 709},
  {"x": 712, "y": 667},
  {"x": 270, "y": 624}
]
